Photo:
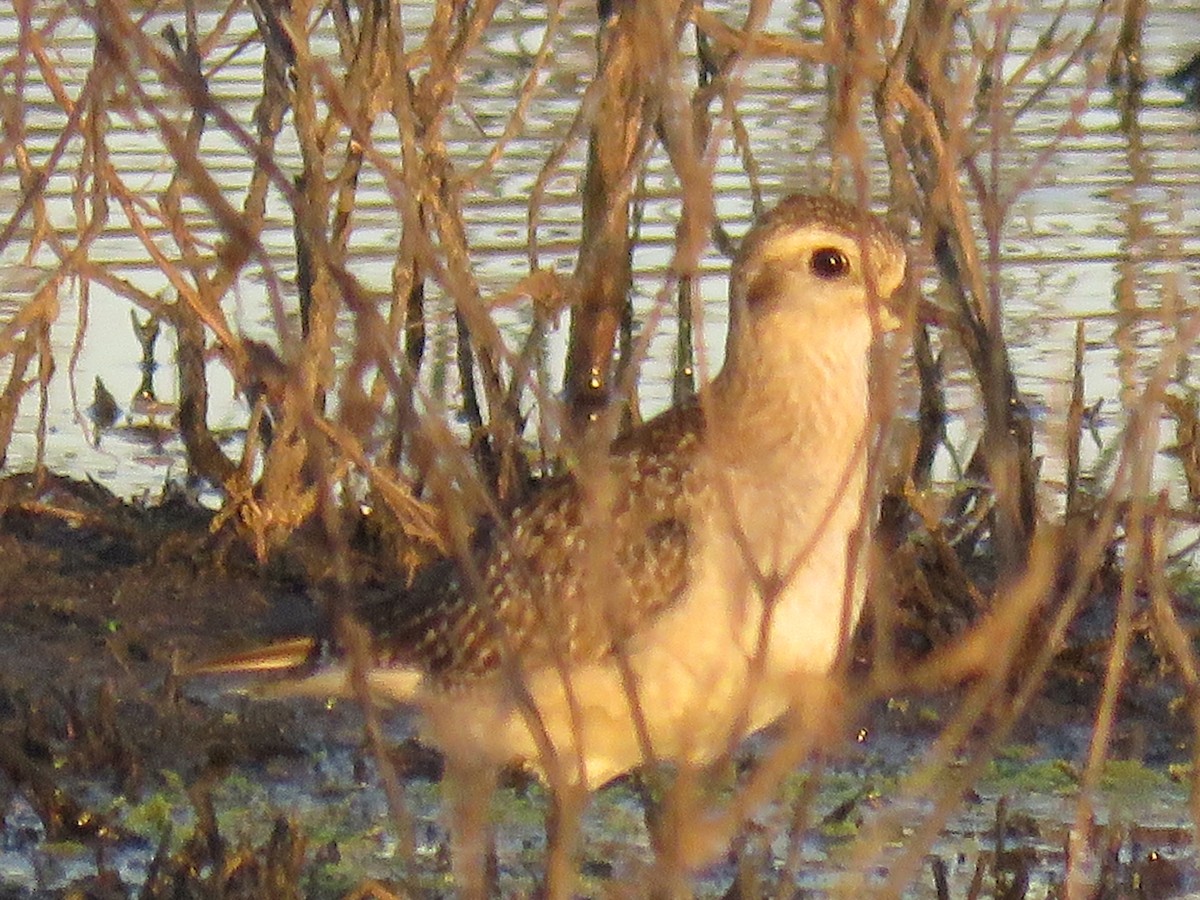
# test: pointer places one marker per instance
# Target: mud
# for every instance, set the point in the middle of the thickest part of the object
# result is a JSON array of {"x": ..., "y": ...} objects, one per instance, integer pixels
[{"x": 115, "y": 774}]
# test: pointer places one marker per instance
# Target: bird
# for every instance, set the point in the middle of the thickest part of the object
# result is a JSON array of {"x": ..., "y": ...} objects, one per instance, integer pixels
[
  {"x": 659, "y": 602},
  {"x": 104, "y": 409}
]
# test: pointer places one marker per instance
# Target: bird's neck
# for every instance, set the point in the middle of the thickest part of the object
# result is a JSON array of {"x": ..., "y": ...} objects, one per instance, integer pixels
[
  {"x": 778, "y": 401},
  {"x": 787, "y": 438}
]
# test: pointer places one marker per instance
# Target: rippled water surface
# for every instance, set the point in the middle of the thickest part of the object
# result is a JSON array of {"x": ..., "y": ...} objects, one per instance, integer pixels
[{"x": 1106, "y": 233}]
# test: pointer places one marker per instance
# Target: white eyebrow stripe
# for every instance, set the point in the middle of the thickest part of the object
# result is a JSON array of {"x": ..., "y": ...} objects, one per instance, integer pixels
[{"x": 790, "y": 243}]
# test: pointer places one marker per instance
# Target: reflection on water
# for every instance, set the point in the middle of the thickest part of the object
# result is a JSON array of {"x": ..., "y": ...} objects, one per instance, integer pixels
[{"x": 1109, "y": 233}]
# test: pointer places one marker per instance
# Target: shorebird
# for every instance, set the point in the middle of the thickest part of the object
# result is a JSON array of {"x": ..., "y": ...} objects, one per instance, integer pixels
[{"x": 661, "y": 602}]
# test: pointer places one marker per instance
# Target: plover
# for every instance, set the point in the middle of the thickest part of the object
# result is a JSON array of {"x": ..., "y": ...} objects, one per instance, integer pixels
[{"x": 660, "y": 603}]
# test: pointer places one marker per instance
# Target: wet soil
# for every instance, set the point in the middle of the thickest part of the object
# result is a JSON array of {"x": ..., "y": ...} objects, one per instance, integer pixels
[
  {"x": 106, "y": 756},
  {"x": 99, "y": 600}
]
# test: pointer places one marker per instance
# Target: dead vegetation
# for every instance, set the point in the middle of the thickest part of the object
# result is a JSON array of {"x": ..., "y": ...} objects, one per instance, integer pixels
[{"x": 997, "y": 585}]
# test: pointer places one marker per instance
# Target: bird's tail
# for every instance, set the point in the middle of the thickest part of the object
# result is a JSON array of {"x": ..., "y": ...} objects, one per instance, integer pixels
[
  {"x": 295, "y": 656},
  {"x": 299, "y": 663},
  {"x": 306, "y": 668}
]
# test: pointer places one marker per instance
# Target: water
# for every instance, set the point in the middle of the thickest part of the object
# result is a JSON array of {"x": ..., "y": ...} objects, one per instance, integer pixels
[
  {"x": 1107, "y": 234},
  {"x": 1100, "y": 210}
]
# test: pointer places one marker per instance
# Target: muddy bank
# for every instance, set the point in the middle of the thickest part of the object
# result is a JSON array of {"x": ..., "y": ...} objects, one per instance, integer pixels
[{"x": 119, "y": 780}]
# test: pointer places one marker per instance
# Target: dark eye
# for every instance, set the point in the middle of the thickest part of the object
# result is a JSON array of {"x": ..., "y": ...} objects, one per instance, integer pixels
[{"x": 829, "y": 263}]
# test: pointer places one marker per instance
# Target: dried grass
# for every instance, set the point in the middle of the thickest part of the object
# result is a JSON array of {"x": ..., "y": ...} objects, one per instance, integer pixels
[{"x": 987, "y": 573}]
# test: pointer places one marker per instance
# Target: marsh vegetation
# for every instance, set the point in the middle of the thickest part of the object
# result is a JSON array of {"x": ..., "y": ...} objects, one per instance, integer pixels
[{"x": 388, "y": 264}]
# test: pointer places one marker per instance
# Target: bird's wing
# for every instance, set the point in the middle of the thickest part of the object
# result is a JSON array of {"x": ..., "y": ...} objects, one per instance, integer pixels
[{"x": 580, "y": 567}]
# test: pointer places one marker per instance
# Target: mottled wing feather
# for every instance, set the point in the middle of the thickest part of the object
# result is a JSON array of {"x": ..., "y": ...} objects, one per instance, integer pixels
[{"x": 561, "y": 581}]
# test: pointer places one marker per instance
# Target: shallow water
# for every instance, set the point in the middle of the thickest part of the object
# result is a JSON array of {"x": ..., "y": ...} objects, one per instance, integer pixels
[
  {"x": 1105, "y": 211},
  {"x": 1108, "y": 234},
  {"x": 1139, "y": 822}
]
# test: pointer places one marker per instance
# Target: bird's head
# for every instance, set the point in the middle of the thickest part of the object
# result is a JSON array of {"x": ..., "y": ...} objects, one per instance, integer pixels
[{"x": 818, "y": 265}]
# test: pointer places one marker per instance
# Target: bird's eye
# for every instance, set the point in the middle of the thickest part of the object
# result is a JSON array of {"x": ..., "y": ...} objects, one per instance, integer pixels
[{"x": 829, "y": 262}]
